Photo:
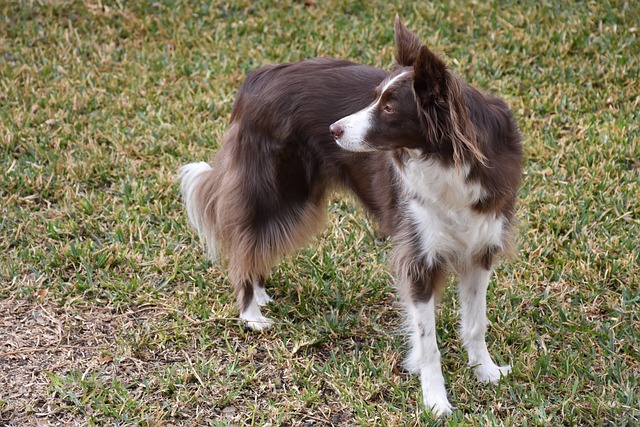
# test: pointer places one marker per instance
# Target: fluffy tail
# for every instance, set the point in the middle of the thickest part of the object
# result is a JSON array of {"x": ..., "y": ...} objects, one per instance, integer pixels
[{"x": 198, "y": 182}]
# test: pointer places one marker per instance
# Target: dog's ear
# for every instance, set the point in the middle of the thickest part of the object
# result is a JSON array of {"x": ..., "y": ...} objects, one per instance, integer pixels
[
  {"x": 440, "y": 97},
  {"x": 430, "y": 77},
  {"x": 407, "y": 44}
]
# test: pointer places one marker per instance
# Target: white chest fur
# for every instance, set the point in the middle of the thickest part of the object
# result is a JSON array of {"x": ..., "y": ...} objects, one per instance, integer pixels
[{"x": 439, "y": 204}]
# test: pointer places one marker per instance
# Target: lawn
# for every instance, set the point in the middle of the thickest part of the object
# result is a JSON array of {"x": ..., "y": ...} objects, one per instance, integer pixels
[{"x": 110, "y": 313}]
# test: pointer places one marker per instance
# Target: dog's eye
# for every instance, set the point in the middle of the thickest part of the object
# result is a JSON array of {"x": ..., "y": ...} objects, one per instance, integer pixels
[{"x": 388, "y": 109}]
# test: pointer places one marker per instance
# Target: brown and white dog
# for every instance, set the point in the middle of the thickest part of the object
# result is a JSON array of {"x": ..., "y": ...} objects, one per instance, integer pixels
[{"x": 436, "y": 162}]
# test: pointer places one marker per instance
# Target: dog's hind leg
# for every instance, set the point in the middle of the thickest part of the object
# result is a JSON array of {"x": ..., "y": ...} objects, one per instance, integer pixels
[
  {"x": 260, "y": 294},
  {"x": 251, "y": 296},
  {"x": 258, "y": 201},
  {"x": 262, "y": 234}
]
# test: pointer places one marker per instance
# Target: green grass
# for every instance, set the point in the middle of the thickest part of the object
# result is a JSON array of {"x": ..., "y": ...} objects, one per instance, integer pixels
[{"x": 110, "y": 314}]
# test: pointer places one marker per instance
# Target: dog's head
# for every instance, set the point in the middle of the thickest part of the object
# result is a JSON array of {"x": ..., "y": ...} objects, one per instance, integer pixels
[{"x": 420, "y": 105}]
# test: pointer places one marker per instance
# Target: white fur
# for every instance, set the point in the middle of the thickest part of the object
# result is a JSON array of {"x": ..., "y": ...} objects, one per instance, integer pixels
[
  {"x": 190, "y": 176},
  {"x": 472, "y": 290},
  {"x": 355, "y": 128},
  {"x": 260, "y": 295},
  {"x": 424, "y": 357},
  {"x": 253, "y": 317},
  {"x": 358, "y": 124},
  {"x": 442, "y": 211}
]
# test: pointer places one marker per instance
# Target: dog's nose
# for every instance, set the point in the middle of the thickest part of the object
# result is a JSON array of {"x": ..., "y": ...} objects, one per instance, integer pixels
[{"x": 336, "y": 130}]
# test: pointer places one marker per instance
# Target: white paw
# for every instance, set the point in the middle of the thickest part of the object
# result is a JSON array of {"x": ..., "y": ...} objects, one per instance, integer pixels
[
  {"x": 491, "y": 373},
  {"x": 260, "y": 296},
  {"x": 259, "y": 323},
  {"x": 253, "y": 317},
  {"x": 438, "y": 406}
]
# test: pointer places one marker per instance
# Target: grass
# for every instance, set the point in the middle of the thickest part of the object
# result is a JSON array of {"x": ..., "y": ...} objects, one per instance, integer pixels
[{"x": 109, "y": 313}]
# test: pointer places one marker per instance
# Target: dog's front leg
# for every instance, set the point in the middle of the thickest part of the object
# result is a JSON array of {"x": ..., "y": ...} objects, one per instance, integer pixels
[
  {"x": 473, "y": 306},
  {"x": 424, "y": 357}
]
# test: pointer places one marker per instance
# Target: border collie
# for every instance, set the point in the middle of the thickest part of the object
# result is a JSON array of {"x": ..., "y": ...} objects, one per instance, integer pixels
[{"x": 434, "y": 161}]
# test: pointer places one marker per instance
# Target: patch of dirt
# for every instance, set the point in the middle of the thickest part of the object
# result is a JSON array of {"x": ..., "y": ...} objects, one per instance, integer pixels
[
  {"x": 39, "y": 339},
  {"x": 54, "y": 356}
]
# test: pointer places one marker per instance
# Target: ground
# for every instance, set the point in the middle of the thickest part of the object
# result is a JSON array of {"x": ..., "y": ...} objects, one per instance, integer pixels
[{"x": 110, "y": 313}]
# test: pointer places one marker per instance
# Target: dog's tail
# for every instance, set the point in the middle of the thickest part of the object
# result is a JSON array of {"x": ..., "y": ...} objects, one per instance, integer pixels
[{"x": 198, "y": 185}]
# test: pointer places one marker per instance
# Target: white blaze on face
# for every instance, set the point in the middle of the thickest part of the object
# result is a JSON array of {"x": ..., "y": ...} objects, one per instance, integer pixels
[{"x": 356, "y": 126}]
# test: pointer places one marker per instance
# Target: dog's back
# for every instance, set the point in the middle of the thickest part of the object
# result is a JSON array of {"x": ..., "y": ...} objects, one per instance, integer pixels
[{"x": 283, "y": 113}]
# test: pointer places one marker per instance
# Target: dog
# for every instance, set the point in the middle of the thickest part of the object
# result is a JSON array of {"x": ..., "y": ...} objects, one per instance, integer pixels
[{"x": 434, "y": 161}]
